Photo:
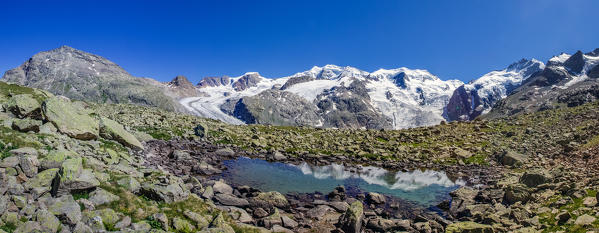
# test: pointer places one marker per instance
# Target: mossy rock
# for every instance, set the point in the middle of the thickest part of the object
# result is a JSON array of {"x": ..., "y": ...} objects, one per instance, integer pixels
[{"x": 68, "y": 120}]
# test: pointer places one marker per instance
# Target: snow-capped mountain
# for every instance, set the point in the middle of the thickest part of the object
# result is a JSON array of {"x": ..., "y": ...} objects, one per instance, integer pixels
[
  {"x": 478, "y": 97},
  {"x": 566, "y": 81},
  {"x": 401, "y": 97}
]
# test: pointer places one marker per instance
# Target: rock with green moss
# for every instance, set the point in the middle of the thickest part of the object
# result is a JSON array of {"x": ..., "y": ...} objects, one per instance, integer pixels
[
  {"x": 68, "y": 120},
  {"x": 219, "y": 224},
  {"x": 112, "y": 130},
  {"x": 173, "y": 191},
  {"x": 351, "y": 220},
  {"x": 29, "y": 164},
  {"x": 468, "y": 227},
  {"x": 48, "y": 128},
  {"x": 42, "y": 180},
  {"x": 26, "y": 125},
  {"x": 29, "y": 227},
  {"x": 516, "y": 193},
  {"x": 74, "y": 177},
  {"x": 182, "y": 225},
  {"x": 66, "y": 208},
  {"x": 101, "y": 196},
  {"x": 47, "y": 220},
  {"x": 129, "y": 183},
  {"x": 535, "y": 177},
  {"x": 55, "y": 158},
  {"x": 23, "y": 105},
  {"x": 269, "y": 200}
]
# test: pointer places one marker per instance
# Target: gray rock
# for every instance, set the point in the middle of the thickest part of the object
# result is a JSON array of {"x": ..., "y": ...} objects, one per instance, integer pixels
[
  {"x": 182, "y": 225},
  {"x": 47, "y": 220},
  {"x": 68, "y": 119},
  {"x": 339, "y": 206},
  {"x": 65, "y": 208},
  {"x": 231, "y": 200},
  {"x": 129, "y": 183},
  {"x": 375, "y": 198},
  {"x": 585, "y": 220},
  {"x": 351, "y": 220},
  {"x": 222, "y": 187},
  {"x": 516, "y": 193},
  {"x": 26, "y": 125},
  {"x": 23, "y": 105},
  {"x": 112, "y": 130},
  {"x": 535, "y": 177},
  {"x": 124, "y": 223},
  {"x": 511, "y": 158},
  {"x": 82, "y": 228},
  {"x": 162, "y": 219},
  {"x": 318, "y": 212},
  {"x": 288, "y": 222},
  {"x": 172, "y": 192},
  {"x": 29, "y": 227},
  {"x": 29, "y": 164},
  {"x": 101, "y": 196}
]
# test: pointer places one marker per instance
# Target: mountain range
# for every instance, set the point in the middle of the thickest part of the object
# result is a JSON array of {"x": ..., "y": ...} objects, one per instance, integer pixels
[{"x": 327, "y": 96}]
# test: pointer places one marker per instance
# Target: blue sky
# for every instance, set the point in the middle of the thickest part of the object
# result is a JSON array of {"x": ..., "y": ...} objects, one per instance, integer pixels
[{"x": 161, "y": 39}]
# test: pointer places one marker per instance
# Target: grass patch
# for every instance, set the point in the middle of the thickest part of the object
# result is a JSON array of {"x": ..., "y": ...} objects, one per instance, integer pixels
[
  {"x": 8, "y": 227},
  {"x": 153, "y": 222}
]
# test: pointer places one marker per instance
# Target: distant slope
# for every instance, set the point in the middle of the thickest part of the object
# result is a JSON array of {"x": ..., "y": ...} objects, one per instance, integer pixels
[
  {"x": 79, "y": 75},
  {"x": 566, "y": 81}
]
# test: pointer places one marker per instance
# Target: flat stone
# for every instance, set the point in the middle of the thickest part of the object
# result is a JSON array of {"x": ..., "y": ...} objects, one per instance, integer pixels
[
  {"x": 222, "y": 187},
  {"x": 589, "y": 201},
  {"x": 585, "y": 220},
  {"x": 101, "y": 196},
  {"x": 231, "y": 200}
]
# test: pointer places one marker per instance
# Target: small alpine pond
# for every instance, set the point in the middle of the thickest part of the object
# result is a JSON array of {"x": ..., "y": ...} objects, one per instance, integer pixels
[{"x": 422, "y": 187}]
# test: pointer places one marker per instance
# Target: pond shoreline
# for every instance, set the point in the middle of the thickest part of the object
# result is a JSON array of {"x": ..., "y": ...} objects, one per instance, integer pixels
[{"x": 204, "y": 160}]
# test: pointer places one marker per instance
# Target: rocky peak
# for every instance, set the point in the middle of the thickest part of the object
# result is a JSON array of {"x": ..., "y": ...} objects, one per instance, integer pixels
[
  {"x": 214, "y": 81},
  {"x": 575, "y": 63},
  {"x": 246, "y": 81},
  {"x": 181, "y": 81}
]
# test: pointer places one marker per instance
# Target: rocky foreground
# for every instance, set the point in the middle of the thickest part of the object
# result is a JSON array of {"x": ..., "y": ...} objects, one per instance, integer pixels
[{"x": 71, "y": 166}]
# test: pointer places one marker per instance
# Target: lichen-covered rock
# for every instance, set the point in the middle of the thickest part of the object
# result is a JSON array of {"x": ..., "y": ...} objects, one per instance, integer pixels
[
  {"x": 68, "y": 120},
  {"x": 23, "y": 105},
  {"x": 511, "y": 158},
  {"x": 351, "y": 220},
  {"x": 182, "y": 225},
  {"x": 29, "y": 164},
  {"x": 55, "y": 158},
  {"x": 29, "y": 227},
  {"x": 112, "y": 130},
  {"x": 129, "y": 183},
  {"x": 26, "y": 125},
  {"x": 468, "y": 227},
  {"x": 66, "y": 208},
  {"x": 167, "y": 192},
  {"x": 535, "y": 177},
  {"x": 74, "y": 177},
  {"x": 222, "y": 187},
  {"x": 516, "y": 193},
  {"x": 42, "y": 180},
  {"x": 47, "y": 220},
  {"x": 101, "y": 196},
  {"x": 269, "y": 200},
  {"x": 220, "y": 223}
]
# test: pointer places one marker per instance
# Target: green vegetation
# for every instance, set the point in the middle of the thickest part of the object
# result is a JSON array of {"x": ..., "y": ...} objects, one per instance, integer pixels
[{"x": 8, "y": 227}]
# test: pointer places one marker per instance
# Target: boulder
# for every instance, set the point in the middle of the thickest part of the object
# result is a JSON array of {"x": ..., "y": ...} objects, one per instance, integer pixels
[
  {"x": 351, "y": 220},
  {"x": 380, "y": 224},
  {"x": 230, "y": 200},
  {"x": 460, "y": 199},
  {"x": 375, "y": 198},
  {"x": 511, "y": 158},
  {"x": 66, "y": 208},
  {"x": 535, "y": 177},
  {"x": 225, "y": 152},
  {"x": 182, "y": 225},
  {"x": 29, "y": 164},
  {"x": 318, "y": 211},
  {"x": 468, "y": 227},
  {"x": 516, "y": 193},
  {"x": 47, "y": 220},
  {"x": 101, "y": 196},
  {"x": 167, "y": 192},
  {"x": 68, "y": 120},
  {"x": 55, "y": 158},
  {"x": 222, "y": 187},
  {"x": 26, "y": 125},
  {"x": 219, "y": 222},
  {"x": 112, "y": 130},
  {"x": 461, "y": 153},
  {"x": 42, "y": 181},
  {"x": 73, "y": 177},
  {"x": 29, "y": 227},
  {"x": 48, "y": 128},
  {"x": 24, "y": 151},
  {"x": 129, "y": 183},
  {"x": 585, "y": 220},
  {"x": 23, "y": 105},
  {"x": 268, "y": 200}
]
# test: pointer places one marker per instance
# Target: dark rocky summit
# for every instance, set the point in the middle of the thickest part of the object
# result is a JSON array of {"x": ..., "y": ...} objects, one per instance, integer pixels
[{"x": 214, "y": 81}]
